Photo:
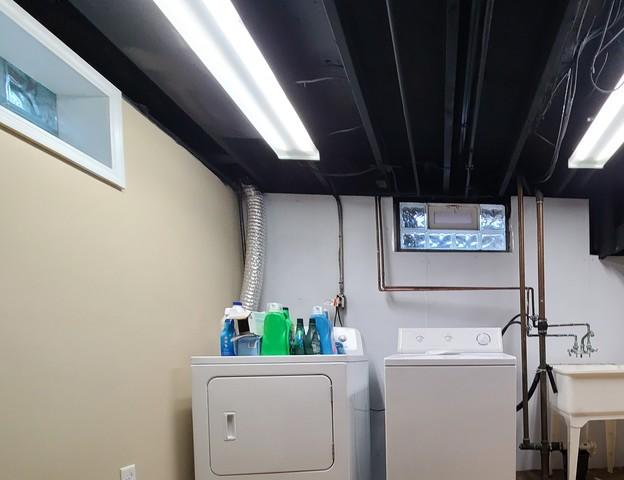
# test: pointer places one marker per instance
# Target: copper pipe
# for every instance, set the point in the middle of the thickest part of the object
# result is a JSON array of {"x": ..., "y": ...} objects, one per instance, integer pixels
[
  {"x": 523, "y": 316},
  {"x": 381, "y": 268},
  {"x": 542, "y": 328}
]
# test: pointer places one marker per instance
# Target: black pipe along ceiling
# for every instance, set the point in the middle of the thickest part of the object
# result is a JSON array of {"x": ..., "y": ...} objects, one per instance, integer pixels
[{"x": 447, "y": 100}]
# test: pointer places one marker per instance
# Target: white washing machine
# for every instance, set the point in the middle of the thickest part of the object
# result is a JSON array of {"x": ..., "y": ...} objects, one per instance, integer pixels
[
  {"x": 283, "y": 417},
  {"x": 450, "y": 406}
]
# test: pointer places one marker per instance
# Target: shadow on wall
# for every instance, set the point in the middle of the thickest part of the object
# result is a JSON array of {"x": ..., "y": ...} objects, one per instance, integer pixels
[
  {"x": 183, "y": 427},
  {"x": 615, "y": 264}
]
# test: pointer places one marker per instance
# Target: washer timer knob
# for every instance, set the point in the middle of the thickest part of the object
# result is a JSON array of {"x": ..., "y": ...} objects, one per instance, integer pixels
[{"x": 484, "y": 339}]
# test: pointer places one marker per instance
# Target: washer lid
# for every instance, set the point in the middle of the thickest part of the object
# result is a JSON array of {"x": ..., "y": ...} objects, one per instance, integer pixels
[{"x": 448, "y": 359}]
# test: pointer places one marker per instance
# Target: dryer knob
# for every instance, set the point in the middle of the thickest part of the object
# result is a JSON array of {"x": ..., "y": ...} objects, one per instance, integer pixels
[{"x": 484, "y": 339}]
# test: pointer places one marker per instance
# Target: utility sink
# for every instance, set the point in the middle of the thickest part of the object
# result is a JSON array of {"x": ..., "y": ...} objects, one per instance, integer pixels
[
  {"x": 589, "y": 392},
  {"x": 588, "y": 389}
]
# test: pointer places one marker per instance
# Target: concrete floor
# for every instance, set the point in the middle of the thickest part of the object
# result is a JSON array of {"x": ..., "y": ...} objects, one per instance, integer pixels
[{"x": 618, "y": 474}]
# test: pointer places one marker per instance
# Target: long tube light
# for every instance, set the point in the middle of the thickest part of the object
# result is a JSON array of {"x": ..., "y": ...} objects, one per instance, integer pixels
[
  {"x": 215, "y": 32},
  {"x": 604, "y": 136}
]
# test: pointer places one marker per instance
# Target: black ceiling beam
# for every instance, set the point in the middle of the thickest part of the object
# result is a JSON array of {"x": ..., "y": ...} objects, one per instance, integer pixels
[
  {"x": 450, "y": 79},
  {"x": 356, "y": 89},
  {"x": 485, "y": 42},
  {"x": 563, "y": 38},
  {"x": 406, "y": 114}
]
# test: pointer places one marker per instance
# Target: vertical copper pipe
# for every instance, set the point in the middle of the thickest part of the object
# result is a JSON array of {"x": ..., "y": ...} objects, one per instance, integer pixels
[
  {"x": 542, "y": 328},
  {"x": 523, "y": 316}
]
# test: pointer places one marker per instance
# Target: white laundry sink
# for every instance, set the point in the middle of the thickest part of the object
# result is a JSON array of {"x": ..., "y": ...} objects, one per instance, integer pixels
[
  {"x": 590, "y": 389},
  {"x": 589, "y": 392}
]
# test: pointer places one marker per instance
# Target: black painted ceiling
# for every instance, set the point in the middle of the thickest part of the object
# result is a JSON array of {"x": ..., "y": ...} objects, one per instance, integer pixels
[{"x": 471, "y": 106}]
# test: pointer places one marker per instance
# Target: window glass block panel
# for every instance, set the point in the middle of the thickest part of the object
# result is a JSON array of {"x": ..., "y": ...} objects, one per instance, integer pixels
[
  {"x": 413, "y": 215},
  {"x": 493, "y": 241},
  {"x": 440, "y": 241},
  {"x": 492, "y": 217},
  {"x": 27, "y": 97},
  {"x": 416, "y": 241},
  {"x": 467, "y": 241}
]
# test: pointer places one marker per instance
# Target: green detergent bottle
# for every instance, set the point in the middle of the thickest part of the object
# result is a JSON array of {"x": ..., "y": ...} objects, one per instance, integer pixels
[
  {"x": 276, "y": 338},
  {"x": 291, "y": 335}
]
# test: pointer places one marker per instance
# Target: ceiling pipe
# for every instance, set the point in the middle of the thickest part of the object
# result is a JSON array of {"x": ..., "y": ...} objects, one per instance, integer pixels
[
  {"x": 450, "y": 80},
  {"x": 464, "y": 120},
  {"x": 485, "y": 41},
  {"x": 406, "y": 115}
]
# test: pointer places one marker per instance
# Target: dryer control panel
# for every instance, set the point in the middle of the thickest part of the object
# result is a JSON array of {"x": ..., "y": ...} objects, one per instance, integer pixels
[{"x": 450, "y": 340}]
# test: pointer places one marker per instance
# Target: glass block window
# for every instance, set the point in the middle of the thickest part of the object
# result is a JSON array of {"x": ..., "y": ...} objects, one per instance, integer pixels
[
  {"x": 414, "y": 233},
  {"x": 27, "y": 97}
]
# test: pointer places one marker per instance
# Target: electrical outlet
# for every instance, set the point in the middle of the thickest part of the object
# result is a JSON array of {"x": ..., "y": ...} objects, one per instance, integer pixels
[{"x": 128, "y": 473}]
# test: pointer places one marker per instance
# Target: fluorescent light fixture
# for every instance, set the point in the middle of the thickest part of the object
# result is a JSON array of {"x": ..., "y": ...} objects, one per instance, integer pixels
[
  {"x": 604, "y": 136},
  {"x": 215, "y": 32}
]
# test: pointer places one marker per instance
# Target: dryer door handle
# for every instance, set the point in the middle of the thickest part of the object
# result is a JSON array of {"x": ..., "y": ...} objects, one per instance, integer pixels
[{"x": 230, "y": 426}]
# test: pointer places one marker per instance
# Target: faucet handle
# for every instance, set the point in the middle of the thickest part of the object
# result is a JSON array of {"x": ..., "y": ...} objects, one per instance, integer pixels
[{"x": 574, "y": 350}]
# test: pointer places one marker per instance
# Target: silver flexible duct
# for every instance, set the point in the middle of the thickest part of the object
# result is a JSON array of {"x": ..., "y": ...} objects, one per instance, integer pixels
[{"x": 254, "y": 255}]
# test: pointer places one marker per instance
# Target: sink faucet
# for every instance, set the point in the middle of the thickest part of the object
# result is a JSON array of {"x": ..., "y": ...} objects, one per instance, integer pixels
[
  {"x": 575, "y": 350},
  {"x": 586, "y": 346}
]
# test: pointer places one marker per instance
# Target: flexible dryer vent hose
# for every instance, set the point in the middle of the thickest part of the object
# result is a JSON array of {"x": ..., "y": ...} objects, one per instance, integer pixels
[{"x": 254, "y": 255}]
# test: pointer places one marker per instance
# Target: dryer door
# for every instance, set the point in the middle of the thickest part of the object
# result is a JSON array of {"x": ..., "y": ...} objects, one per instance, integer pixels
[{"x": 270, "y": 424}]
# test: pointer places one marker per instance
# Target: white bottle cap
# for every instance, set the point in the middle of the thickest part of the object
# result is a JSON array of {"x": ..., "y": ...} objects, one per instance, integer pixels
[
  {"x": 317, "y": 309},
  {"x": 274, "y": 307}
]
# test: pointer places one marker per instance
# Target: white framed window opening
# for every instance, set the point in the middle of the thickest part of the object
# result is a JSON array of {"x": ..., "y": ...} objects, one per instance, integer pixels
[{"x": 51, "y": 96}]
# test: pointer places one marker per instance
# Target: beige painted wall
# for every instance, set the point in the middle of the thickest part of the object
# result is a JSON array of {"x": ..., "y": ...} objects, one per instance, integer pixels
[{"x": 104, "y": 296}]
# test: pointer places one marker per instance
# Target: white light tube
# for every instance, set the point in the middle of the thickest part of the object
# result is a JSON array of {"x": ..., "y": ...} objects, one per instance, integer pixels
[
  {"x": 604, "y": 136},
  {"x": 216, "y": 34}
]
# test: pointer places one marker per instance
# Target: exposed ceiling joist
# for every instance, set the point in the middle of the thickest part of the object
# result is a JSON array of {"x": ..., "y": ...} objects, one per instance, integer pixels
[
  {"x": 563, "y": 38},
  {"x": 406, "y": 113},
  {"x": 358, "y": 97}
]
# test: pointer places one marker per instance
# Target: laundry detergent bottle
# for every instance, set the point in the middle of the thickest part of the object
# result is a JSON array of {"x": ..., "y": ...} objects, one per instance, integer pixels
[
  {"x": 325, "y": 330},
  {"x": 227, "y": 334},
  {"x": 276, "y": 338}
]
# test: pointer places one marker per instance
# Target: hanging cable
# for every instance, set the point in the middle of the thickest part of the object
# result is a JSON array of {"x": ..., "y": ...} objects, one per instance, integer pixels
[
  {"x": 344, "y": 130},
  {"x": 311, "y": 81},
  {"x": 351, "y": 174},
  {"x": 570, "y": 77},
  {"x": 339, "y": 301}
]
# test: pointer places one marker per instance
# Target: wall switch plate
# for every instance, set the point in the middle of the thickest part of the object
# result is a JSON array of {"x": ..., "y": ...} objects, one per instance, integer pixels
[{"x": 128, "y": 473}]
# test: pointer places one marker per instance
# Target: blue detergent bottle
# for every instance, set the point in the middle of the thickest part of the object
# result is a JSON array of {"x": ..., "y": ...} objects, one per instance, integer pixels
[
  {"x": 227, "y": 334},
  {"x": 325, "y": 330}
]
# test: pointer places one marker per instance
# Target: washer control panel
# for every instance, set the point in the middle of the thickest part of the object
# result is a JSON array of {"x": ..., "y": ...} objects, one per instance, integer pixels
[{"x": 450, "y": 340}]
